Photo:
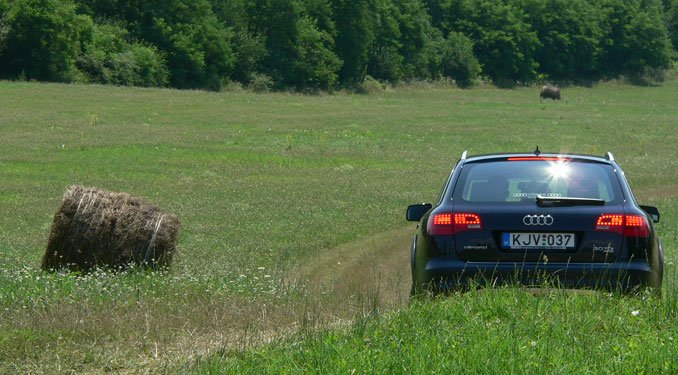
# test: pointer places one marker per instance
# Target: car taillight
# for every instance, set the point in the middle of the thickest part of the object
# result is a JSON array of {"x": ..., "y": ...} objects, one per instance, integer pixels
[
  {"x": 627, "y": 225},
  {"x": 447, "y": 224}
]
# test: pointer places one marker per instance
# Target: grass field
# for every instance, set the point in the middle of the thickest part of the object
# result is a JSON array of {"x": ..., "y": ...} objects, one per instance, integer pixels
[{"x": 294, "y": 248}]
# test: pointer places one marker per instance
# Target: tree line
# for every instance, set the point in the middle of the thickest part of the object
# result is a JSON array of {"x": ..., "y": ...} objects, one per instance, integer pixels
[{"x": 324, "y": 44}]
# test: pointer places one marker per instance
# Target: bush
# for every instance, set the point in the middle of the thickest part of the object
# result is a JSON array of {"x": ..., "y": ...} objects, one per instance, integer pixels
[
  {"x": 109, "y": 58},
  {"x": 371, "y": 86},
  {"x": 261, "y": 83},
  {"x": 457, "y": 59}
]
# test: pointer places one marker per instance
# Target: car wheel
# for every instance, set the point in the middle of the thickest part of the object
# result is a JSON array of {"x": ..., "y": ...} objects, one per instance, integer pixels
[{"x": 658, "y": 268}]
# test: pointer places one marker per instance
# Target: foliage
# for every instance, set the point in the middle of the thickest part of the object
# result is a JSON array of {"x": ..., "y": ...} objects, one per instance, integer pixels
[
  {"x": 39, "y": 39},
  {"x": 315, "y": 65},
  {"x": 647, "y": 42},
  {"x": 636, "y": 37},
  {"x": 249, "y": 48},
  {"x": 371, "y": 86},
  {"x": 260, "y": 83},
  {"x": 321, "y": 44},
  {"x": 198, "y": 46},
  {"x": 110, "y": 58},
  {"x": 457, "y": 60},
  {"x": 570, "y": 34},
  {"x": 356, "y": 25},
  {"x": 405, "y": 42},
  {"x": 505, "y": 43},
  {"x": 672, "y": 22}
]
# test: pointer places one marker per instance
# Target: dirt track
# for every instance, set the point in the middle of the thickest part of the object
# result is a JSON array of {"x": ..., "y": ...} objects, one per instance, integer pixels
[
  {"x": 376, "y": 267},
  {"x": 332, "y": 289}
]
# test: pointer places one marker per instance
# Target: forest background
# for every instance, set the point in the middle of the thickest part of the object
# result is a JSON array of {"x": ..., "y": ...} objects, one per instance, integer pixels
[{"x": 306, "y": 45}]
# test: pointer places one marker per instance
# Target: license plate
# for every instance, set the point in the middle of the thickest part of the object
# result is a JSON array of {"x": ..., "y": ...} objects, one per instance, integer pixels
[{"x": 538, "y": 241}]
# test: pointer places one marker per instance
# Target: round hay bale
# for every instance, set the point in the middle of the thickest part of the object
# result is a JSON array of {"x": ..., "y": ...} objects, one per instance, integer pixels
[{"x": 98, "y": 228}]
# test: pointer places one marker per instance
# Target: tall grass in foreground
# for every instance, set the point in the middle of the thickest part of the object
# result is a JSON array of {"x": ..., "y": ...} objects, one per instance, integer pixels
[{"x": 489, "y": 331}]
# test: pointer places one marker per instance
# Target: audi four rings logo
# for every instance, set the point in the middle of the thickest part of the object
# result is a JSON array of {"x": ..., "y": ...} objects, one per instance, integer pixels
[{"x": 538, "y": 220}]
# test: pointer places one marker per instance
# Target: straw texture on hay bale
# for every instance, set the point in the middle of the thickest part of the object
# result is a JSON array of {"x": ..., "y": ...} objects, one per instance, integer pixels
[{"x": 99, "y": 228}]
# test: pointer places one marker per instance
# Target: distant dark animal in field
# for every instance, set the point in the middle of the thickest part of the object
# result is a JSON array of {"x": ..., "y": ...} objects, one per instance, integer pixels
[
  {"x": 550, "y": 92},
  {"x": 98, "y": 228}
]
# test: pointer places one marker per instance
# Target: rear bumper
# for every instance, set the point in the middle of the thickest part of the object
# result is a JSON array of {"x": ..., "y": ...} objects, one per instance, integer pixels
[{"x": 447, "y": 273}]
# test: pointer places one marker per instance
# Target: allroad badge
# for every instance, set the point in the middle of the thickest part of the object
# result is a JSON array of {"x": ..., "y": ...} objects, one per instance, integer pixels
[{"x": 538, "y": 220}]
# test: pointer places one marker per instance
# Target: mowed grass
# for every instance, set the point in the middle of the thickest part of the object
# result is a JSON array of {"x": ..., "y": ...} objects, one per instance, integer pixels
[{"x": 293, "y": 229}]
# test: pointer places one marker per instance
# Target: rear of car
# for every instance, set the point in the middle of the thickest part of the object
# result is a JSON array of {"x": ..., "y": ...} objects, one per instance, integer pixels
[{"x": 566, "y": 220}]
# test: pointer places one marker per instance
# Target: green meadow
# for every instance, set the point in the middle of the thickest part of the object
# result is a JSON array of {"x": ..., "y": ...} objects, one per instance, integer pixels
[{"x": 294, "y": 252}]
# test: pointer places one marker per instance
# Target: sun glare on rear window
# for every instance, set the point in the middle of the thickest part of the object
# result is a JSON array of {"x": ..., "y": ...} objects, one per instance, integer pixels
[{"x": 559, "y": 169}]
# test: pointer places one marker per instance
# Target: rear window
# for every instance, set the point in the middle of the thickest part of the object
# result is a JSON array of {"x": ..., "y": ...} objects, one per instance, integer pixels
[{"x": 514, "y": 182}]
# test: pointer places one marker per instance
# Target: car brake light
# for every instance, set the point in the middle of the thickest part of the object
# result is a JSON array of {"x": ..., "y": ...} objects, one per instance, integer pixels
[
  {"x": 447, "y": 224},
  {"x": 538, "y": 158},
  {"x": 627, "y": 225},
  {"x": 636, "y": 226}
]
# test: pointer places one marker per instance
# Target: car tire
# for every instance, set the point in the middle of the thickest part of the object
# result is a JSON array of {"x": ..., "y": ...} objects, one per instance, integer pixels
[{"x": 658, "y": 271}]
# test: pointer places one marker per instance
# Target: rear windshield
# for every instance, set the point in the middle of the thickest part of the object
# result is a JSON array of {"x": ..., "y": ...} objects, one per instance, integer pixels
[{"x": 521, "y": 181}]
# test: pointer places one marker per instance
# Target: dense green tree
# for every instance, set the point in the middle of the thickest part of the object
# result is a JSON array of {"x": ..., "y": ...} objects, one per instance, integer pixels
[
  {"x": 276, "y": 21},
  {"x": 504, "y": 41},
  {"x": 647, "y": 42},
  {"x": 108, "y": 57},
  {"x": 385, "y": 62},
  {"x": 315, "y": 65},
  {"x": 457, "y": 60},
  {"x": 198, "y": 47},
  {"x": 317, "y": 62},
  {"x": 321, "y": 12},
  {"x": 672, "y": 22},
  {"x": 355, "y": 22},
  {"x": 406, "y": 44},
  {"x": 40, "y": 39},
  {"x": 417, "y": 39},
  {"x": 249, "y": 47},
  {"x": 300, "y": 48},
  {"x": 635, "y": 37},
  {"x": 570, "y": 34},
  {"x": 616, "y": 15},
  {"x": 321, "y": 43}
]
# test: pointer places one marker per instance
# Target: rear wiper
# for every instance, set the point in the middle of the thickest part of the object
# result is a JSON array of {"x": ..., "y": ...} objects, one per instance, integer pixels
[{"x": 567, "y": 201}]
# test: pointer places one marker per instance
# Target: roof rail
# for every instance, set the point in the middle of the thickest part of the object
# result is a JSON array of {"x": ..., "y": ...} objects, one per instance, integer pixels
[
  {"x": 610, "y": 157},
  {"x": 463, "y": 155}
]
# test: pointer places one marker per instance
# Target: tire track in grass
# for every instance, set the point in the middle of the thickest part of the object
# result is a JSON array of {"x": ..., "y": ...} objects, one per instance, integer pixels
[
  {"x": 337, "y": 285},
  {"x": 374, "y": 270}
]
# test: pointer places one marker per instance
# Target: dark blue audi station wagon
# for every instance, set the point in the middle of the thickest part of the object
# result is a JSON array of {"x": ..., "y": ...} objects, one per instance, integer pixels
[{"x": 534, "y": 219}]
